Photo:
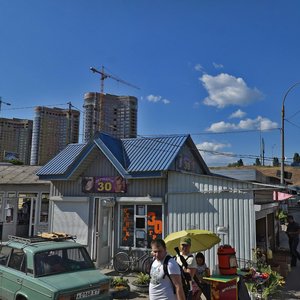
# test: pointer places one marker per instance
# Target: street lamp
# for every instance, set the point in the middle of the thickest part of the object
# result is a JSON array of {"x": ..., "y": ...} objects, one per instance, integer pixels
[{"x": 282, "y": 132}]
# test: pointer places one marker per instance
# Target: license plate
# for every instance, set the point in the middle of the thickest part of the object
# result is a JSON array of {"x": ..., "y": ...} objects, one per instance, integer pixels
[{"x": 86, "y": 294}]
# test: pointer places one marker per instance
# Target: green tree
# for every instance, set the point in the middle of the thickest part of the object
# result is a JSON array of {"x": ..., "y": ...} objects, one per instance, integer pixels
[
  {"x": 296, "y": 158},
  {"x": 239, "y": 163},
  {"x": 15, "y": 162},
  {"x": 276, "y": 162},
  {"x": 257, "y": 162}
]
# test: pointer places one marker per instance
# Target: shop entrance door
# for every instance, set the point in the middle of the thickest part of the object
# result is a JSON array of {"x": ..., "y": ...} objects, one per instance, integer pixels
[
  {"x": 32, "y": 217},
  {"x": 102, "y": 231},
  {"x": 26, "y": 217}
]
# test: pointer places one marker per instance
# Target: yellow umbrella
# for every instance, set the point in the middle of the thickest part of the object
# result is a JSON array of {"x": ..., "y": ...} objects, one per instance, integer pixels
[{"x": 200, "y": 240}]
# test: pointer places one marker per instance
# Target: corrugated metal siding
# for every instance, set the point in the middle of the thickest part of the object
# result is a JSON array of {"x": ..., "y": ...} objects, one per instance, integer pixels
[
  {"x": 263, "y": 196},
  {"x": 194, "y": 202},
  {"x": 72, "y": 216},
  {"x": 100, "y": 166},
  {"x": 143, "y": 187}
]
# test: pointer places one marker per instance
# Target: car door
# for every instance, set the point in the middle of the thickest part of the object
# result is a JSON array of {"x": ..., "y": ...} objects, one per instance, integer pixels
[
  {"x": 13, "y": 274},
  {"x": 4, "y": 255}
]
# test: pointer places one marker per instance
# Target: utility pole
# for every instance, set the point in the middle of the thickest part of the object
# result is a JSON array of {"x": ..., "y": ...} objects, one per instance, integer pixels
[
  {"x": 69, "y": 122},
  {"x": 282, "y": 132},
  {"x": 1, "y": 101}
]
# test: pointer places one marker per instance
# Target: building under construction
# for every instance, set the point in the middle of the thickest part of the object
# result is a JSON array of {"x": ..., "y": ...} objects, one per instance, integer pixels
[
  {"x": 15, "y": 139},
  {"x": 116, "y": 115},
  {"x": 53, "y": 129}
]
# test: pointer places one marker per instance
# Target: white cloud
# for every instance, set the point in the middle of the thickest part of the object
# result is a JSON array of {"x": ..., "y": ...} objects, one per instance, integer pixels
[
  {"x": 238, "y": 114},
  {"x": 207, "y": 150},
  {"x": 198, "y": 68},
  {"x": 259, "y": 123},
  {"x": 218, "y": 66},
  {"x": 155, "y": 99},
  {"x": 224, "y": 90}
]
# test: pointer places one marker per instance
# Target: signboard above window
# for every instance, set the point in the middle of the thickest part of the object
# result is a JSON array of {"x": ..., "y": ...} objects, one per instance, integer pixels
[{"x": 103, "y": 184}]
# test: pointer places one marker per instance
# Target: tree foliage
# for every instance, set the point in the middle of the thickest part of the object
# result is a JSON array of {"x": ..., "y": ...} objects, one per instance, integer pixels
[
  {"x": 296, "y": 158},
  {"x": 257, "y": 162},
  {"x": 239, "y": 163},
  {"x": 276, "y": 162}
]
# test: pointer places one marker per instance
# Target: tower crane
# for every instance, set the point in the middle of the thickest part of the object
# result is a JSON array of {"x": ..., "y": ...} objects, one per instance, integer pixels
[
  {"x": 1, "y": 101},
  {"x": 99, "y": 121},
  {"x": 105, "y": 75}
]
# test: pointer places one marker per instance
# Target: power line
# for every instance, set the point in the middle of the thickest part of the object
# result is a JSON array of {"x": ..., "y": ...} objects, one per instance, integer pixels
[
  {"x": 220, "y": 132},
  {"x": 292, "y": 123}
]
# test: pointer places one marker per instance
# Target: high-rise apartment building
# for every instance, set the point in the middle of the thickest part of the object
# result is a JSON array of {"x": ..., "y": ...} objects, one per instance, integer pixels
[
  {"x": 116, "y": 115},
  {"x": 15, "y": 139},
  {"x": 53, "y": 129}
]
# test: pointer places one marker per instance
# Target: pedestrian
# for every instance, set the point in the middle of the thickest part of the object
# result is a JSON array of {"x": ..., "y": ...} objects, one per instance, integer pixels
[
  {"x": 293, "y": 230},
  {"x": 190, "y": 270},
  {"x": 202, "y": 271},
  {"x": 161, "y": 287}
]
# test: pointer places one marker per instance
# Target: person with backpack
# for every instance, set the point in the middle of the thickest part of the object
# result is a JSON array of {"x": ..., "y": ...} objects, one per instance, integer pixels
[
  {"x": 165, "y": 275},
  {"x": 188, "y": 263}
]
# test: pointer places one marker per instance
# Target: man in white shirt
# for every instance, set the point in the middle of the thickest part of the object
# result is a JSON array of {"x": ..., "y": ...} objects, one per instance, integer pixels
[
  {"x": 162, "y": 286},
  {"x": 185, "y": 246}
]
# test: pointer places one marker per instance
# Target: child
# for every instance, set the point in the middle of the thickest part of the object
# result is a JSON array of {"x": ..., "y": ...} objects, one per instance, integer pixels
[{"x": 203, "y": 271}]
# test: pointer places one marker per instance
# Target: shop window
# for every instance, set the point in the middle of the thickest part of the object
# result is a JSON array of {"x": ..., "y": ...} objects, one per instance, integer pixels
[
  {"x": 9, "y": 211},
  {"x": 140, "y": 224},
  {"x": 44, "y": 208}
]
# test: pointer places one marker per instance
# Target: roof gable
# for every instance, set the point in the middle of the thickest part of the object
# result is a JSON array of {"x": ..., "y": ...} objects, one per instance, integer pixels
[{"x": 146, "y": 156}]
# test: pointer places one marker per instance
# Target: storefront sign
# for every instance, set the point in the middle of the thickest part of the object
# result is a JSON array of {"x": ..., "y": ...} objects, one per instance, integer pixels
[{"x": 103, "y": 184}]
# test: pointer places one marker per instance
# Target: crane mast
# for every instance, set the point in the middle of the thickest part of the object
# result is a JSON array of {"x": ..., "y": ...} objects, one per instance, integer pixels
[{"x": 98, "y": 105}]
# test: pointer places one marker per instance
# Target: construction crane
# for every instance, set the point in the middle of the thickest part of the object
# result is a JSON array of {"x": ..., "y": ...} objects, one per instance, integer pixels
[
  {"x": 105, "y": 75},
  {"x": 1, "y": 101},
  {"x": 99, "y": 121}
]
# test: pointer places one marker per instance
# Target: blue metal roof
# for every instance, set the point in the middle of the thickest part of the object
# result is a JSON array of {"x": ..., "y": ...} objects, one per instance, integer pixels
[
  {"x": 153, "y": 153},
  {"x": 136, "y": 157},
  {"x": 63, "y": 160}
]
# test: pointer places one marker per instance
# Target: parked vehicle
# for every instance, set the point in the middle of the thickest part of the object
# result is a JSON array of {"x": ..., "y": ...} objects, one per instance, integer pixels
[{"x": 46, "y": 268}]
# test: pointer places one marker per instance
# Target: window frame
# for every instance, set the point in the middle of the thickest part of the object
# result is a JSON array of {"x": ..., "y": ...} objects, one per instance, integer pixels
[{"x": 135, "y": 229}]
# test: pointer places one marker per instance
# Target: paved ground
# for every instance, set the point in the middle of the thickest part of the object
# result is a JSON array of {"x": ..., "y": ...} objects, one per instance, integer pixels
[{"x": 290, "y": 291}]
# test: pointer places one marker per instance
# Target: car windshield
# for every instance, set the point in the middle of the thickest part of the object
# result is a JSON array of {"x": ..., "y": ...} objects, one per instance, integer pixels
[{"x": 62, "y": 261}]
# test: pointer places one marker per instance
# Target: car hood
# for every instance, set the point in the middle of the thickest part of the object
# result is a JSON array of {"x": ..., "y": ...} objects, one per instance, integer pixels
[{"x": 74, "y": 280}]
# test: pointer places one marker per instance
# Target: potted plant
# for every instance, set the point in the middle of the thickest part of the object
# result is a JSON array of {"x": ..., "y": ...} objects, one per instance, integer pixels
[
  {"x": 119, "y": 288},
  {"x": 141, "y": 283}
]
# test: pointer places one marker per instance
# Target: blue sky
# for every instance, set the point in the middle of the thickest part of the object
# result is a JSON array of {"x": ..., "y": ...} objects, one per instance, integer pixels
[{"x": 215, "y": 69}]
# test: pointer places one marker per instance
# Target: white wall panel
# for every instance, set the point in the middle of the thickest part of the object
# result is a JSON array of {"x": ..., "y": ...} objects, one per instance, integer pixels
[{"x": 198, "y": 202}]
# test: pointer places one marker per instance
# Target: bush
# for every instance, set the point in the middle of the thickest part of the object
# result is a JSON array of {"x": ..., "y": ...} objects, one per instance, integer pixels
[
  {"x": 142, "y": 279},
  {"x": 119, "y": 283}
]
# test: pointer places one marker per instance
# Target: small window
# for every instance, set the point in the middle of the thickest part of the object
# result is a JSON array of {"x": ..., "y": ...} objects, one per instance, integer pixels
[{"x": 17, "y": 260}]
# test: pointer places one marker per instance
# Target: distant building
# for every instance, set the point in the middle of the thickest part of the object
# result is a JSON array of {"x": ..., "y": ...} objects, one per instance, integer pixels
[
  {"x": 53, "y": 129},
  {"x": 15, "y": 139},
  {"x": 116, "y": 115}
]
